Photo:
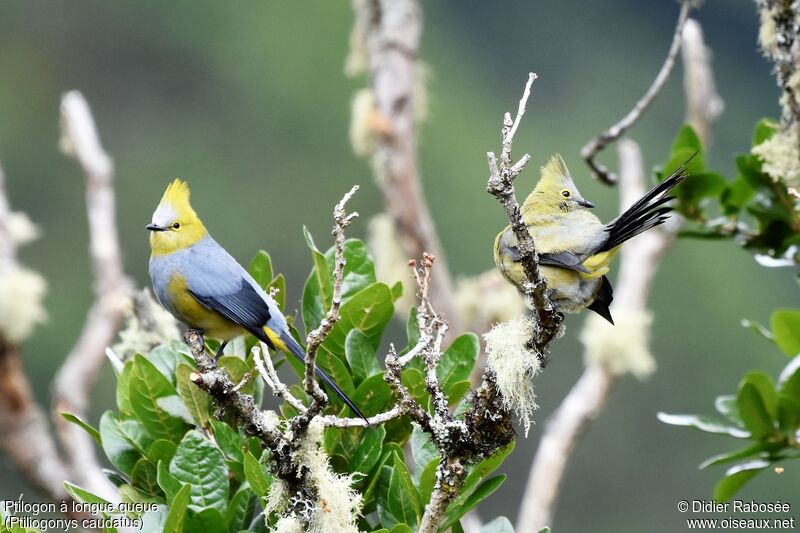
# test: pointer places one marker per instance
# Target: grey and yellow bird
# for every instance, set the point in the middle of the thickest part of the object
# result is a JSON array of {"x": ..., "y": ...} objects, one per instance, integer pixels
[
  {"x": 575, "y": 247},
  {"x": 204, "y": 287}
]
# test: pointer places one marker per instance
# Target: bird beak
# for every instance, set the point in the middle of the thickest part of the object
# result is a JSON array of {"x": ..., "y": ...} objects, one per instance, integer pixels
[
  {"x": 154, "y": 227},
  {"x": 585, "y": 203}
]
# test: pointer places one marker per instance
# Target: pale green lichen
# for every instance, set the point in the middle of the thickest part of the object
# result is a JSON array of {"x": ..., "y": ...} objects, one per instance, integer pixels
[
  {"x": 147, "y": 325},
  {"x": 623, "y": 347},
  {"x": 781, "y": 156},
  {"x": 486, "y": 299},
  {"x": 515, "y": 364},
  {"x": 21, "y": 294}
]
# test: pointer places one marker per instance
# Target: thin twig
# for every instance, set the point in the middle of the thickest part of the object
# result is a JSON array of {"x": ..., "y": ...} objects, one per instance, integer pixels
[
  {"x": 77, "y": 375},
  {"x": 501, "y": 186},
  {"x": 270, "y": 376},
  {"x": 593, "y": 147}
]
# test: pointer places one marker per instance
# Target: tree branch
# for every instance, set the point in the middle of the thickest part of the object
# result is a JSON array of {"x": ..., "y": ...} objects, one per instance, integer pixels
[
  {"x": 501, "y": 185},
  {"x": 593, "y": 147},
  {"x": 390, "y": 31},
  {"x": 76, "y": 377}
]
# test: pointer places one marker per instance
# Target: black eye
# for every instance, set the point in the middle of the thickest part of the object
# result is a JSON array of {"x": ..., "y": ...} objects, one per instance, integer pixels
[
  {"x": 176, "y": 226},
  {"x": 565, "y": 193}
]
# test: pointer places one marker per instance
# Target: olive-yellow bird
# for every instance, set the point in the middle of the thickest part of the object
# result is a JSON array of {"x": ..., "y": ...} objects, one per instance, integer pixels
[
  {"x": 199, "y": 282},
  {"x": 575, "y": 248}
]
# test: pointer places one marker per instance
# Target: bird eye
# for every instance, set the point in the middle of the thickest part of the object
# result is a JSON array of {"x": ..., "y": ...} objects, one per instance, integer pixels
[
  {"x": 565, "y": 193},
  {"x": 176, "y": 226}
]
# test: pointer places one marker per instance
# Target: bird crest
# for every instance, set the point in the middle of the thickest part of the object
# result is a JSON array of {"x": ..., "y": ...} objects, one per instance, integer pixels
[
  {"x": 177, "y": 197},
  {"x": 555, "y": 171}
]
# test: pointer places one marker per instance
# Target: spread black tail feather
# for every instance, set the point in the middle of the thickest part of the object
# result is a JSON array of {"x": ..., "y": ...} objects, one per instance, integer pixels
[
  {"x": 649, "y": 211},
  {"x": 298, "y": 352},
  {"x": 603, "y": 299}
]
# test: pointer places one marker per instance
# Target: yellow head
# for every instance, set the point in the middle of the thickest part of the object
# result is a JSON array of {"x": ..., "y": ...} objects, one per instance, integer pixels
[
  {"x": 555, "y": 193},
  {"x": 175, "y": 226}
]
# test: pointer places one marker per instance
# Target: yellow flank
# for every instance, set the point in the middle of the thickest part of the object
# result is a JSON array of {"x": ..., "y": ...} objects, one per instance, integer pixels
[
  {"x": 195, "y": 315},
  {"x": 599, "y": 264},
  {"x": 275, "y": 339}
]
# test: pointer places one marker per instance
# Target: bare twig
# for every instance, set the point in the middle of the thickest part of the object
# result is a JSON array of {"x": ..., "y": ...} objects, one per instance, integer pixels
[
  {"x": 392, "y": 30},
  {"x": 593, "y": 147},
  {"x": 341, "y": 219},
  {"x": 76, "y": 377},
  {"x": 501, "y": 185}
]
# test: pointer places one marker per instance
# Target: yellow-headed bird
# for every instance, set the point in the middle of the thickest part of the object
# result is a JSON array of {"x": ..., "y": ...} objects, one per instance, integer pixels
[
  {"x": 575, "y": 248},
  {"x": 197, "y": 281}
]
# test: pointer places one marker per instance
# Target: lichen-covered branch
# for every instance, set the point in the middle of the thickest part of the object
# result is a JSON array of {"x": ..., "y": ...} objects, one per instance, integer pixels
[
  {"x": 599, "y": 143},
  {"x": 502, "y": 174},
  {"x": 385, "y": 44},
  {"x": 76, "y": 377}
]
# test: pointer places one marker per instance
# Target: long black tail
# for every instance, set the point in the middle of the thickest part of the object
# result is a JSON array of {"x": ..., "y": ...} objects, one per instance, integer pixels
[
  {"x": 648, "y": 212},
  {"x": 298, "y": 352}
]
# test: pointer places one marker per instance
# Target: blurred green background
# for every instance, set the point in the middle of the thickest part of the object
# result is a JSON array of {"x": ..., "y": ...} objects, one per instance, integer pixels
[{"x": 248, "y": 102}]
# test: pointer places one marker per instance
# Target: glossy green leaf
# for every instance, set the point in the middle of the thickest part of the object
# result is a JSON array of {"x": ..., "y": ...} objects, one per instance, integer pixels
[
  {"x": 745, "y": 453},
  {"x": 754, "y": 412},
  {"x": 174, "y": 407},
  {"x": 704, "y": 423},
  {"x": 236, "y": 513},
  {"x": 279, "y": 283},
  {"x": 82, "y": 495},
  {"x": 788, "y": 413},
  {"x": 146, "y": 386},
  {"x": 458, "y": 391},
  {"x": 166, "y": 359},
  {"x": 123, "y": 394},
  {"x": 78, "y": 421},
  {"x": 178, "y": 507},
  {"x": 785, "y": 325},
  {"x": 360, "y": 356},
  {"x": 764, "y": 129},
  {"x": 687, "y": 139},
  {"x": 789, "y": 380},
  {"x": 385, "y": 513},
  {"x": 255, "y": 475},
  {"x": 236, "y": 369},
  {"x": 156, "y": 519},
  {"x": 117, "y": 447},
  {"x": 457, "y": 361},
  {"x": 736, "y": 477},
  {"x": 726, "y": 406},
  {"x": 209, "y": 520},
  {"x": 371, "y": 396},
  {"x": 337, "y": 370},
  {"x": 145, "y": 477},
  {"x": 196, "y": 401},
  {"x": 359, "y": 268},
  {"x": 736, "y": 195},
  {"x": 319, "y": 285},
  {"x": 168, "y": 483},
  {"x": 368, "y": 452},
  {"x": 423, "y": 451},
  {"x": 229, "y": 440},
  {"x": 198, "y": 462},
  {"x": 403, "y": 497},
  {"x": 369, "y": 311},
  {"x": 427, "y": 480},
  {"x": 402, "y": 528},
  {"x": 397, "y": 291},
  {"x": 261, "y": 269},
  {"x": 766, "y": 389}
]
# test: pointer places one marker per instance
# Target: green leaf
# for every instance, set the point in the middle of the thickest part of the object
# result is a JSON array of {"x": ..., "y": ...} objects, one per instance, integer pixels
[
  {"x": 397, "y": 291},
  {"x": 208, "y": 520},
  {"x": 754, "y": 412},
  {"x": 402, "y": 528},
  {"x": 320, "y": 281},
  {"x": 236, "y": 513},
  {"x": 360, "y": 356},
  {"x": 371, "y": 396},
  {"x": 236, "y": 369},
  {"x": 177, "y": 510},
  {"x": 368, "y": 452},
  {"x": 427, "y": 480},
  {"x": 255, "y": 475},
  {"x": 735, "y": 195},
  {"x": 129, "y": 494},
  {"x": 312, "y": 303},
  {"x": 198, "y": 462},
  {"x": 736, "y": 477},
  {"x": 168, "y": 483},
  {"x": 229, "y": 440},
  {"x": 498, "y": 525},
  {"x": 457, "y": 362},
  {"x": 788, "y": 413},
  {"x": 261, "y": 269},
  {"x": 423, "y": 451},
  {"x": 458, "y": 391},
  {"x": 687, "y": 139},
  {"x": 737, "y": 455},
  {"x": 78, "y": 421},
  {"x": 766, "y": 389},
  {"x": 700, "y": 185},
  {"x": 166, "y": 359},
  {"x": 123, "y": 394},
  {"x": 196, "y": 400},
  {"x": 174, "y": 406},
  {"x": 385, "y": 513},
  {"x": 359, "y": 268},
  {"x": 789, "y": 380},
  {"x": 161, "y": 450},
  {"x": 403, "y": 498},
  {"x": 336, "y": 369},
  {"x": 82, "y": 495},
  {"x": 765, "y": 129},
  {"x": 726, "y": 406},
  {"x": 704, "y": 423},
  {"x": 147, "y": 384},
  {"x": 369, "y": 311},
  {"x": 279, "y": 283},
  {"x": 156, "y": 519},
  {"x": 116, "y": 445},
  {"x": 785, "y": 325},
  {"x": 145, "y": 477}
]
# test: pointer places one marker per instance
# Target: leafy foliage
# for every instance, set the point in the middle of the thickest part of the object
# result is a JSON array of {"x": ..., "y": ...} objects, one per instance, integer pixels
[{"x": 170, "y": 447}]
